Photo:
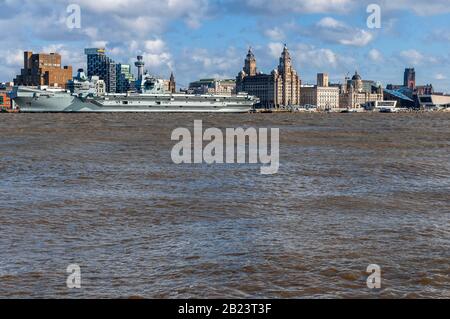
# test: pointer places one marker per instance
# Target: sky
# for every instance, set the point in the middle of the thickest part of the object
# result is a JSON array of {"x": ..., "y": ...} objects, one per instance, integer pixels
[{"x": 210, "y": 38}]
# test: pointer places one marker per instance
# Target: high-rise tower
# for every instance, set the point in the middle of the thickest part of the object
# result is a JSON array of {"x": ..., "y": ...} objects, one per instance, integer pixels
[
  {"x": 98, "y": 64},
  {"x": 140, "y": 66}
]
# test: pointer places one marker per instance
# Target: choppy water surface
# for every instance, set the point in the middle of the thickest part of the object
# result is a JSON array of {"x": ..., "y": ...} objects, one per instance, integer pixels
[{"x": 101, "y": 191}]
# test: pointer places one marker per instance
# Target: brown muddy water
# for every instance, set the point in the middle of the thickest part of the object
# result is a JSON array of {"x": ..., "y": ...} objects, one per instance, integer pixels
[{"x": 101, "y": 191}]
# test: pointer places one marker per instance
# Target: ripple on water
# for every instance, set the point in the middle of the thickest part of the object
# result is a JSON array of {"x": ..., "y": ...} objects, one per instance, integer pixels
[{"x": 101, "y": 190}]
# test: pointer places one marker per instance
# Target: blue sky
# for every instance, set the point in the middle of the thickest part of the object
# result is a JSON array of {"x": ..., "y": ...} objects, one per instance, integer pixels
[{"x": 209, "y": 38}]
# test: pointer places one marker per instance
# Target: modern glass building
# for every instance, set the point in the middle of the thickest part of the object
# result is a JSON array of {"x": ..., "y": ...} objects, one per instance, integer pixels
[
  {"x": 98, "y": 64},
  {"x": 399, "y": 95},
  {"x": 125, "y": 78}
]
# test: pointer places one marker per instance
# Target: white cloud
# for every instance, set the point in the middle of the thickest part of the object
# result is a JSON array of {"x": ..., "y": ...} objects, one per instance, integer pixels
[
  {"x": 204, "y": 63},
  {"x": 299, "y": 6},
  {"x": 99, "y": 44},
  {"x": 329, "y": 22},
  {"x": 275, "y": 49},
  {"x": 155, "y": 46},
  {"x": 375, "y": 55},
  {"x": 360, "y": 38},
  {"x": 319, "y": 57},
  {"x": 13, "y": 57},
  {"x": 309, "y": 56},
  {"x": 440, "y": 35},
  {"x": 419, "y": 7},
  {"x": 413, "y": 56},
  {"x": 332, "y": 30},
  {"x": 157, "y": 55},
  {"x": 275, "y": 34}
]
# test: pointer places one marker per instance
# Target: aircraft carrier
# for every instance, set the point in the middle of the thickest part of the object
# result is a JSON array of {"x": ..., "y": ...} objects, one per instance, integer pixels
[
  {"x": 29, "y": 100},
  {"x": 150, "y": 96}
]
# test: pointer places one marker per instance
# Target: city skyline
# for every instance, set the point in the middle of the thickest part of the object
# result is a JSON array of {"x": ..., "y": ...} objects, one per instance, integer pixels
[{"x": 198, "y": 39}]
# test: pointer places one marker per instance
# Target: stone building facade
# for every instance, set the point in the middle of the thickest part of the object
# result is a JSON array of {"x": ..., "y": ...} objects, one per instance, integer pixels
[
  {"x": 354, "y": 93},
  {"x": 325, "y": 98},
  {"x": 281, "y": 88}
]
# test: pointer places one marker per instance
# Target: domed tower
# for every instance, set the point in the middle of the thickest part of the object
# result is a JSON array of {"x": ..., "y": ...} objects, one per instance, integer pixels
[
  {"x": 357, "y": 82},
  {"x": 250, "y": 63}
]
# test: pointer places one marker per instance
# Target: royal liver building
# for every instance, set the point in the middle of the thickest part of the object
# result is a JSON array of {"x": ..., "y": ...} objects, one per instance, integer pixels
[{"x": 281, "y": 88}]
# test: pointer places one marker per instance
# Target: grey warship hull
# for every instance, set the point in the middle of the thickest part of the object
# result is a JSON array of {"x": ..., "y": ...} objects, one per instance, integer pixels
[{"x": 37, "y": 101}]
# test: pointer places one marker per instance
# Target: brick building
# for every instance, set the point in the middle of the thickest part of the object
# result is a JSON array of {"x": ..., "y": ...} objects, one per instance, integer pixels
[
  {"x": 43, "y": 69},
  {"x": 5, "y": 101}
]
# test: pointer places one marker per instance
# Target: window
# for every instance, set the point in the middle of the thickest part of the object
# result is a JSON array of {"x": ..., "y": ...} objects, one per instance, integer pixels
[{"x": 2, "y": 100}]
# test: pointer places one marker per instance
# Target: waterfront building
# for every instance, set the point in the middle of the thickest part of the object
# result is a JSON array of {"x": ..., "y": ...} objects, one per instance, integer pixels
[
  {"x": 125, "y": 78},
  {"x": 403, "y": 100},
  {"x": 409, "y": 79},
  {"x": 361, "y": 85},
  {"x": 43, "y": 70},
  {"x": 433, "y": 101},
  {"x": 355, "y": 93},
  {"x": 263, "y": 86},
  {"x": 214, "y": 86},
  {"x": 322, "y": 96},
  {"x": 98, "y": 64},
  {"x": 5, "y": 101},
  {"x": 280, "y": 88}
]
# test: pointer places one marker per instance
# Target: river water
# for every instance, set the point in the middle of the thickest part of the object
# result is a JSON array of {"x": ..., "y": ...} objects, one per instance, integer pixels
[{"x": 101, "y": 191}]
